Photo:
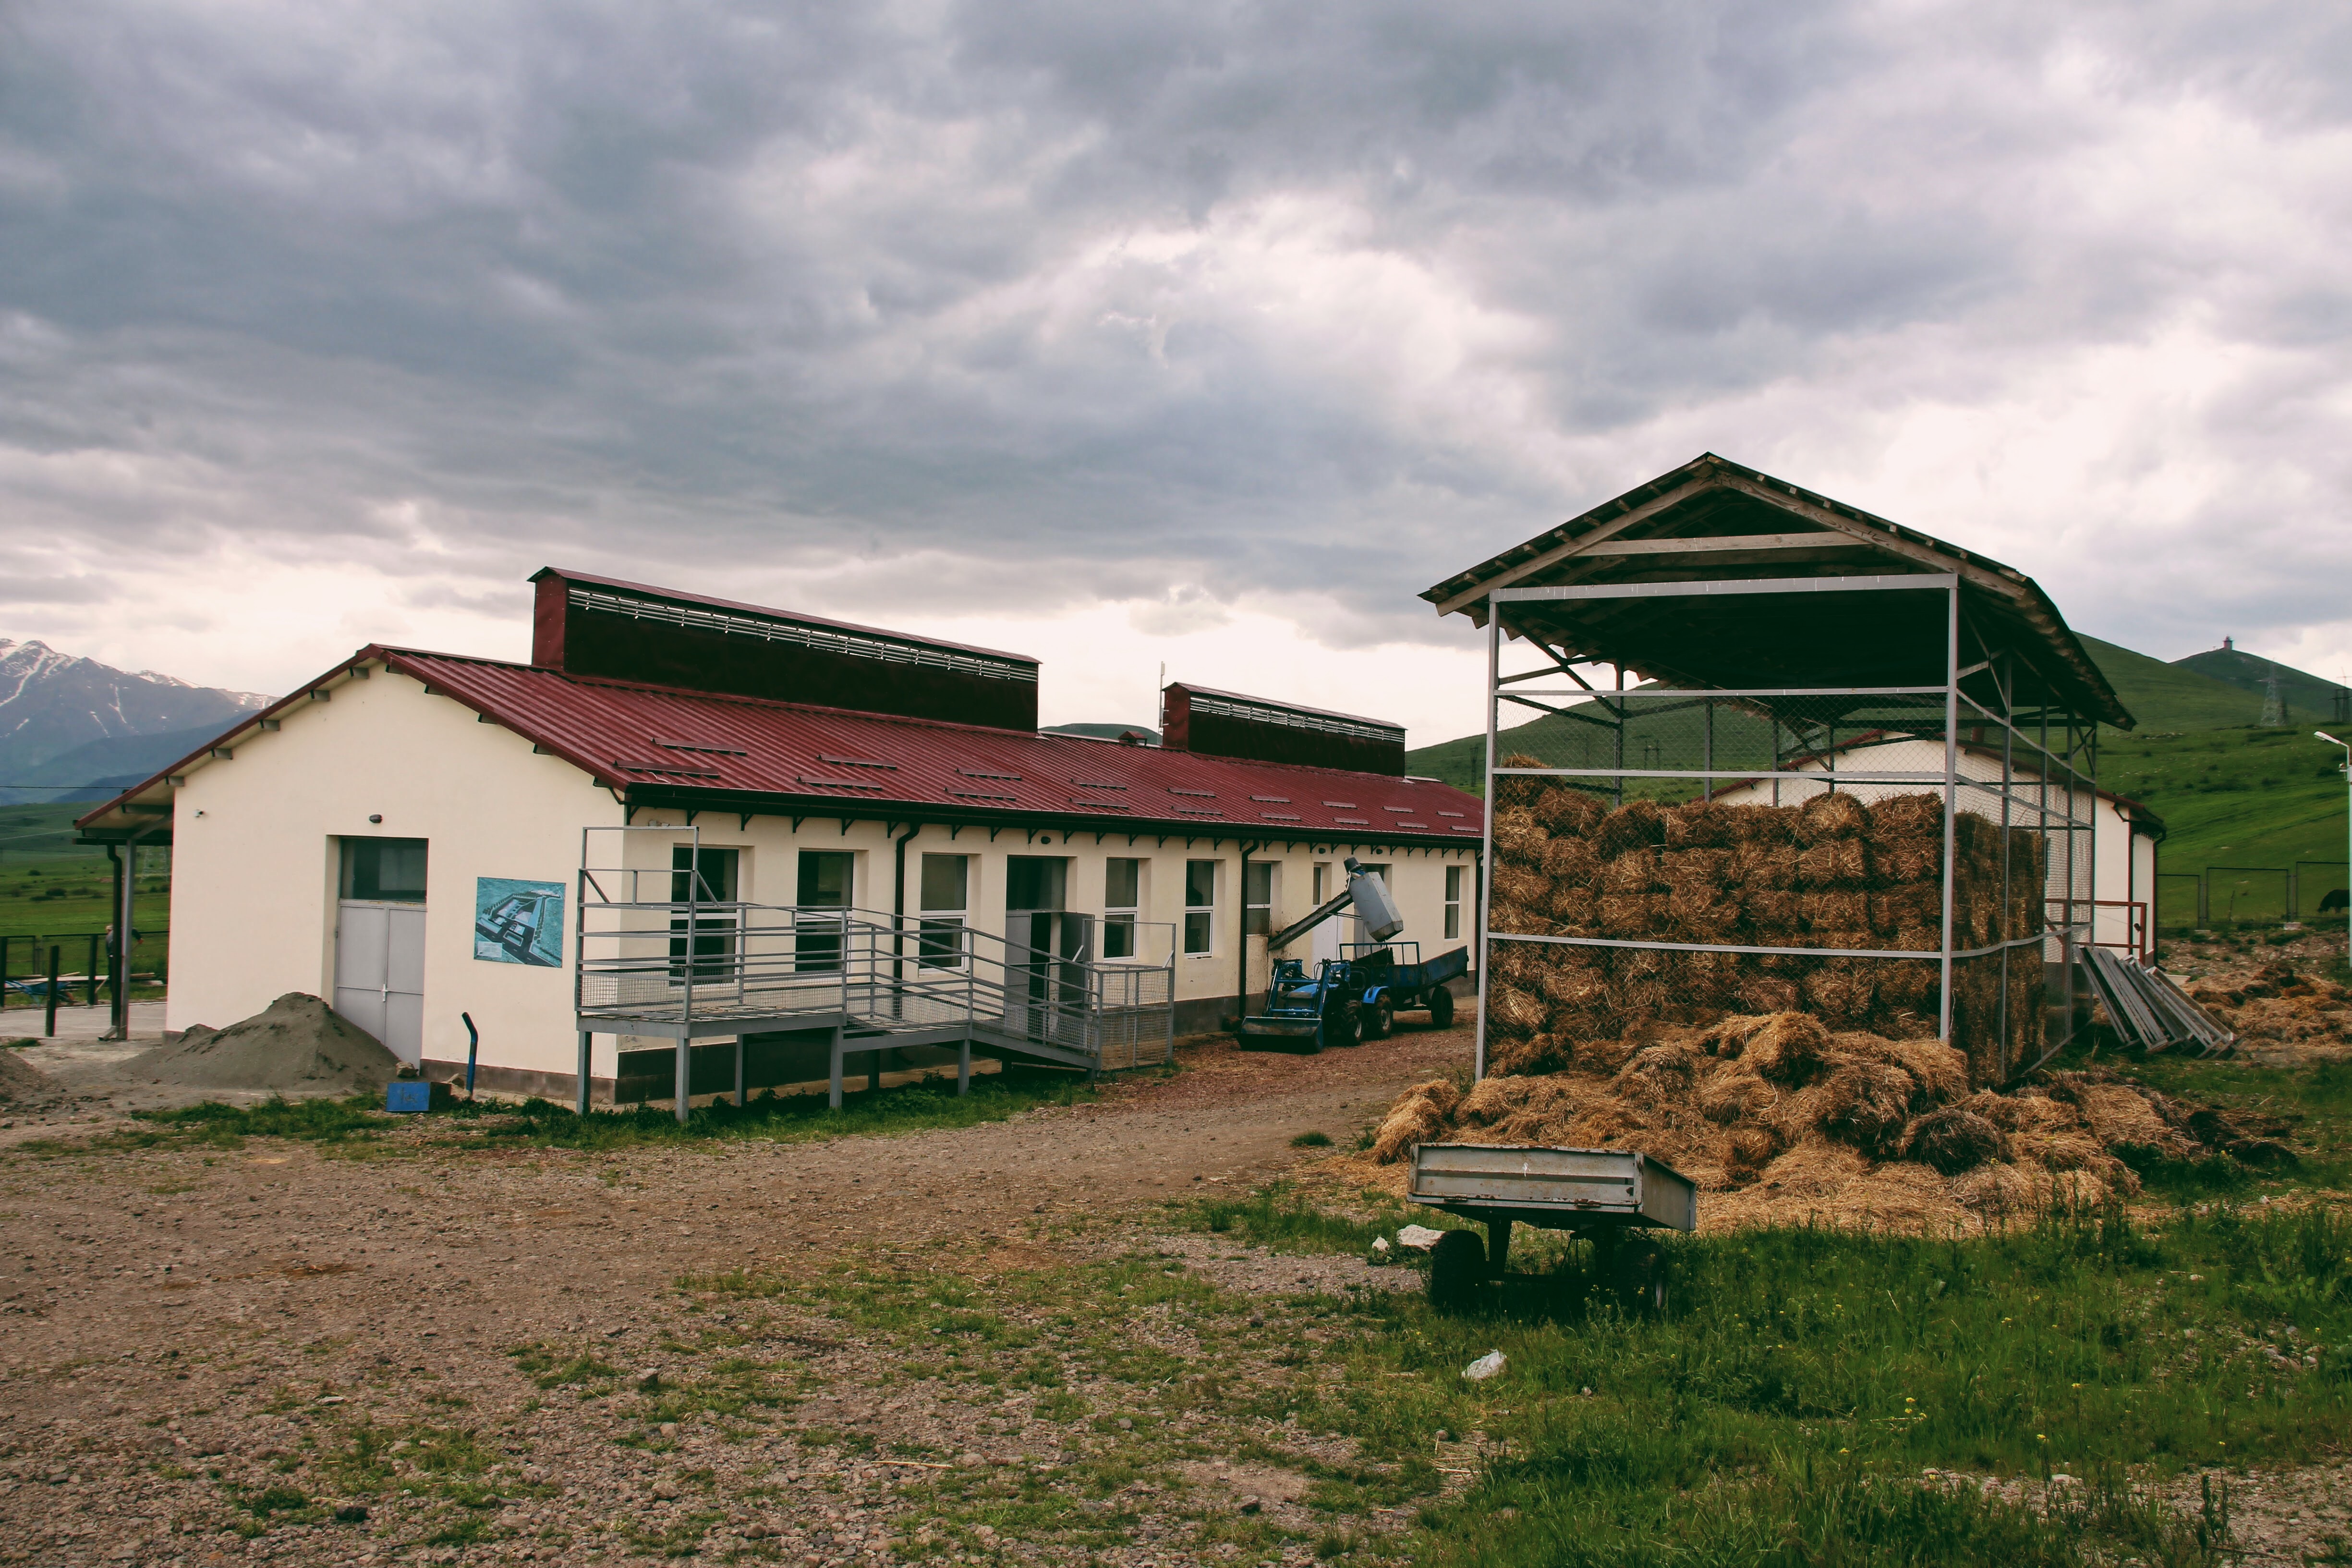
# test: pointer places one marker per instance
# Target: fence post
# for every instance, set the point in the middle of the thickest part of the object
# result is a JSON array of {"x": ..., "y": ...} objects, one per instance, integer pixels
[
  {"x": 49, "y": 1025},
  {"x": 2204, "y": 900},
  {"x": 2293, "y": 893},
  {"x": 90, "y": 973}
]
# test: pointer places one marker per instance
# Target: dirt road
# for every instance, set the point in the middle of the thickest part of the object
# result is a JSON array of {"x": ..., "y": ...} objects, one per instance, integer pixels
[{"x": 202, "y": 1349}]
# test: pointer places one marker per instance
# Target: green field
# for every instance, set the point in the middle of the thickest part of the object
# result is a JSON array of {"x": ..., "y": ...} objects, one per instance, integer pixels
[{"x": 53, "y": 891}]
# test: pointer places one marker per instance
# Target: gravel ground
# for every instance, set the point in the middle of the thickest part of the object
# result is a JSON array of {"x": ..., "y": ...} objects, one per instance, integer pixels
[{"x": 207, "y": 1352}]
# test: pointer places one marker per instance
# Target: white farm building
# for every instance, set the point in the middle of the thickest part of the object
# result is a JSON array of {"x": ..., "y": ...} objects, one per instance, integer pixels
[{"x": 778, "y": 837}]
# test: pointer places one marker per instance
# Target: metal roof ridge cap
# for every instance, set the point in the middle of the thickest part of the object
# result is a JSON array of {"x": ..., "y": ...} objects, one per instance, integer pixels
[
  {"x": 1278, "y": 703},
  {"x": 653, "y": 689}
]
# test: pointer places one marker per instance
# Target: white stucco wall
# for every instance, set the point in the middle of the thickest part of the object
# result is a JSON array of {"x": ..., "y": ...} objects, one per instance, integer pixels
[
  {"x": 2123, "y": 863},
  {"x": 256, "y": 847}
]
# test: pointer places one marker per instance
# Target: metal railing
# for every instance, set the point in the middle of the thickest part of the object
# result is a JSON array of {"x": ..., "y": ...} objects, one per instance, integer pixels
[{"x": 698, "y": 966}]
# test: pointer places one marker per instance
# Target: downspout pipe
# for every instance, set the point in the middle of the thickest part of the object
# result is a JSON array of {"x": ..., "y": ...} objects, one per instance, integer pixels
[
  {"x": 1241, "y": 946},
  {"x": 899, "y": 906}
]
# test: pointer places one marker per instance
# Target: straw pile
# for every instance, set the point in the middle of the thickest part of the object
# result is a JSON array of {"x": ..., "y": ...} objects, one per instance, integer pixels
[
  {"x": 1832, "y": 873},
  {"x": 1779, "y": 1108},
  {"x": 2281, "y": 1015}
]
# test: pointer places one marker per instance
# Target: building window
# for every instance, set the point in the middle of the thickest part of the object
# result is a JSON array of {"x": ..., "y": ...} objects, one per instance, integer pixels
[
  {"x": 1200, "y": 906},
  {"x": 704, "y": 877},
  {"x": 384, "y": 870},
  {"x": 1122, "y": 902},
  {"x": 825, "y": 884},
  {"x": 1258, "y": 899},
  {"x": 946, "y": 901},
  {"x": 1322, "y": 882},
  {"x": 1454, "y": 900}
]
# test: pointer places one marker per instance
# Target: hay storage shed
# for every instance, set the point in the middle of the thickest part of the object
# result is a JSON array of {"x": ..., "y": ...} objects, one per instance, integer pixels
[{"x": 1754, "y": 628}]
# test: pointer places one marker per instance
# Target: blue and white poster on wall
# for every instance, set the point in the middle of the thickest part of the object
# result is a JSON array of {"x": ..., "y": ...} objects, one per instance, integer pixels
[{"x": 518, "y": 922}]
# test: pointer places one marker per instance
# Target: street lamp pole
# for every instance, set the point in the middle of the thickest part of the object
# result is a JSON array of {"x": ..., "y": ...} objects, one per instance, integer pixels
[{"x": 2347, "y": 830}]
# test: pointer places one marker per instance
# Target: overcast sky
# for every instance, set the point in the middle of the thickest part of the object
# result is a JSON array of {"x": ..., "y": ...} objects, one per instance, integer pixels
[{"x": 1118, "y": 334}]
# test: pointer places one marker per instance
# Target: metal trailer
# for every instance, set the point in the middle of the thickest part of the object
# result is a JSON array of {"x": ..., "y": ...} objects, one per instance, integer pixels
[
  {"x": 1394, "y": 982},
  {"x": 1602, "y": 1195}
]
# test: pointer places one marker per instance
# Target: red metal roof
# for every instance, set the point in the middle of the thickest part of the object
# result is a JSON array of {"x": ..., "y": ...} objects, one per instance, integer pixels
[
  {"x": 626, "y": 734},
  {"x": 813, "y": 760}
]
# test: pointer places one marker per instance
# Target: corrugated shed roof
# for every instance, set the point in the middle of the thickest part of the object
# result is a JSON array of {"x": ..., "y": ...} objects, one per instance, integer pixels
[{"x": 659, "y": 742}]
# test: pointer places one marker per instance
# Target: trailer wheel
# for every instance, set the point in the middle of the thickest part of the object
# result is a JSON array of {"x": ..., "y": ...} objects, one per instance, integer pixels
[
  {"x": 1380, "y": 1022},
  {"x": 1441, "y": 1008},
  {"x": 1638, "y": 1269},
  {"x": 1457, "y": 1266}
]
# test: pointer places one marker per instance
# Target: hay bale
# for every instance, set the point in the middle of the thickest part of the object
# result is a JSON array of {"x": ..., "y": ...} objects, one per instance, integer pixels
[
  {"x": 1832, "y": 814},
  {"x": 1519, "y": 839},
  {"x": 1581, "y": 988},
  {"x": 1489, "y": 1101},
  {"x": 1701, "y": 825},
  {"x": 1940, "y": 1071},
  {"x": 1569, "y": 813},
  {"x": 1571, "y": 859},
  {"x": 1748, "y": 1149},
  {"x": 1953, "y": 1138},
  {"x": 1896, "y": 910},
  {"x": 1531, "y": 1057},
  {"x": 1761, "y": 993},
  {"x": 1630, "y": 915},
  {"x": 1766, "y": 824},
  {"x": 1729, "y": 1038},
  {"x": 1841, "y": 992},
  {"x": 1638, "y": 824},
  {"x": 1701, "y": 913},
  {"x": 1658, "y": 1077},
  {"x": 1905, "y": 816},
  {"x": 1517, "y": 885},
  {"x": 1513, "y": 1011},
  {"x": 1835, "y": 910},
  {"x": 1788, "y": 1048},
  {"x": 1997, "y": 1189},
  {"x": 1518, "y": 920},
  {"x": 1521, "y": 793},
  {"x": 1832, "y": 863},
  {"x": 1735, "y": 1095},
  {"x": 1575, "y": 910},
  {"x": 1685, "y": 868},
  {"x": 1772, "y": 917},
  {"x": 1418, "y": 1116},
  {"x": 1903, "y": 861},
  {"x": 1634, "y": 871},
  {"x": 1866, "y": 1104},
  {"x": 1710, "y": 981},
  {"x": 1764, "y": 867},
  {"x": 1927, "y": 938}
]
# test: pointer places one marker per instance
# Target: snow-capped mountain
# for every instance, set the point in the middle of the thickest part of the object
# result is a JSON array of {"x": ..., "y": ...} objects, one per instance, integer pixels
[{"x": 54, "y": 704}]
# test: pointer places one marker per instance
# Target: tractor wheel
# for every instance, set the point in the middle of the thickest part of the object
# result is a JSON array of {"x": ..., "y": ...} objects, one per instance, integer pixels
[
  {"x": 1380, "y": 1021},
  {"x": 1457, "y": 1267},
  {"x": 1441, "y": 1008},
  {"x": 1342, "y": 1026}
]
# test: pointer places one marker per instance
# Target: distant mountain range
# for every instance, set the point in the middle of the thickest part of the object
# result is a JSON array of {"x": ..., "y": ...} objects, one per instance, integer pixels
[
  {"x": 68, "y": 720},
  {"x": 2221, "y": 688}
]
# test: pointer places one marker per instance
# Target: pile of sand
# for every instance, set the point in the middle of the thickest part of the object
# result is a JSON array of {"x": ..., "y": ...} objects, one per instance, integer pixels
[
  {"x": 1833, "y": 872},
  {"x": 21, "y": 1082},
  {"x": 1783, "y": 1117},
  {"x": 2282, "y": 1014},
  {"x": 296, "y": 1043}
]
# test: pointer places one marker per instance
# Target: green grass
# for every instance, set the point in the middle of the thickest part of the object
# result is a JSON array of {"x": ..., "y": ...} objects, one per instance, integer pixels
[
  {"x": 2236, "y": 797},
  {"x": 51, "y": 887},
  {"x": 359, "y": 1120}
]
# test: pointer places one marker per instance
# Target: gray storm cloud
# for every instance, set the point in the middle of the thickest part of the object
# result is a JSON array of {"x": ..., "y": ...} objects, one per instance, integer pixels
[{"x": 1169, "y": 304}]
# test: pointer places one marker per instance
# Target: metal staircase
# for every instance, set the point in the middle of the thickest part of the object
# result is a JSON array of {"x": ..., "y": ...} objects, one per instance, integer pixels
[{"x": 658, "y": 956}]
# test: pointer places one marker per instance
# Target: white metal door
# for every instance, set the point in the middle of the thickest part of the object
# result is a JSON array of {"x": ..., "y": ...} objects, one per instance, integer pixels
[{"x": 380, "y": 974}]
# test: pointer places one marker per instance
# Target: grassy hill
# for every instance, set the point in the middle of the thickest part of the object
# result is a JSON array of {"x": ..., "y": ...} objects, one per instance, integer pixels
[
  {"x": 2308, "y": 697},
  {"x": 2230, "y": 794}
]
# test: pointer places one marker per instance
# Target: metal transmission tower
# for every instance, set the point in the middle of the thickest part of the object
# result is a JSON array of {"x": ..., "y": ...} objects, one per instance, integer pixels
[{"x": 2274, "y": 705}]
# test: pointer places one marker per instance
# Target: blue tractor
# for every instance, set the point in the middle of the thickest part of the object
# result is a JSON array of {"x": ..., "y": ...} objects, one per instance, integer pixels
[{"x": 1355, "y": 998}]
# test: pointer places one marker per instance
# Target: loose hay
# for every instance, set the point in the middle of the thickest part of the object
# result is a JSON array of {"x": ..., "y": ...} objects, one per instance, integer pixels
[{"x": 1778, "y": 1118}]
